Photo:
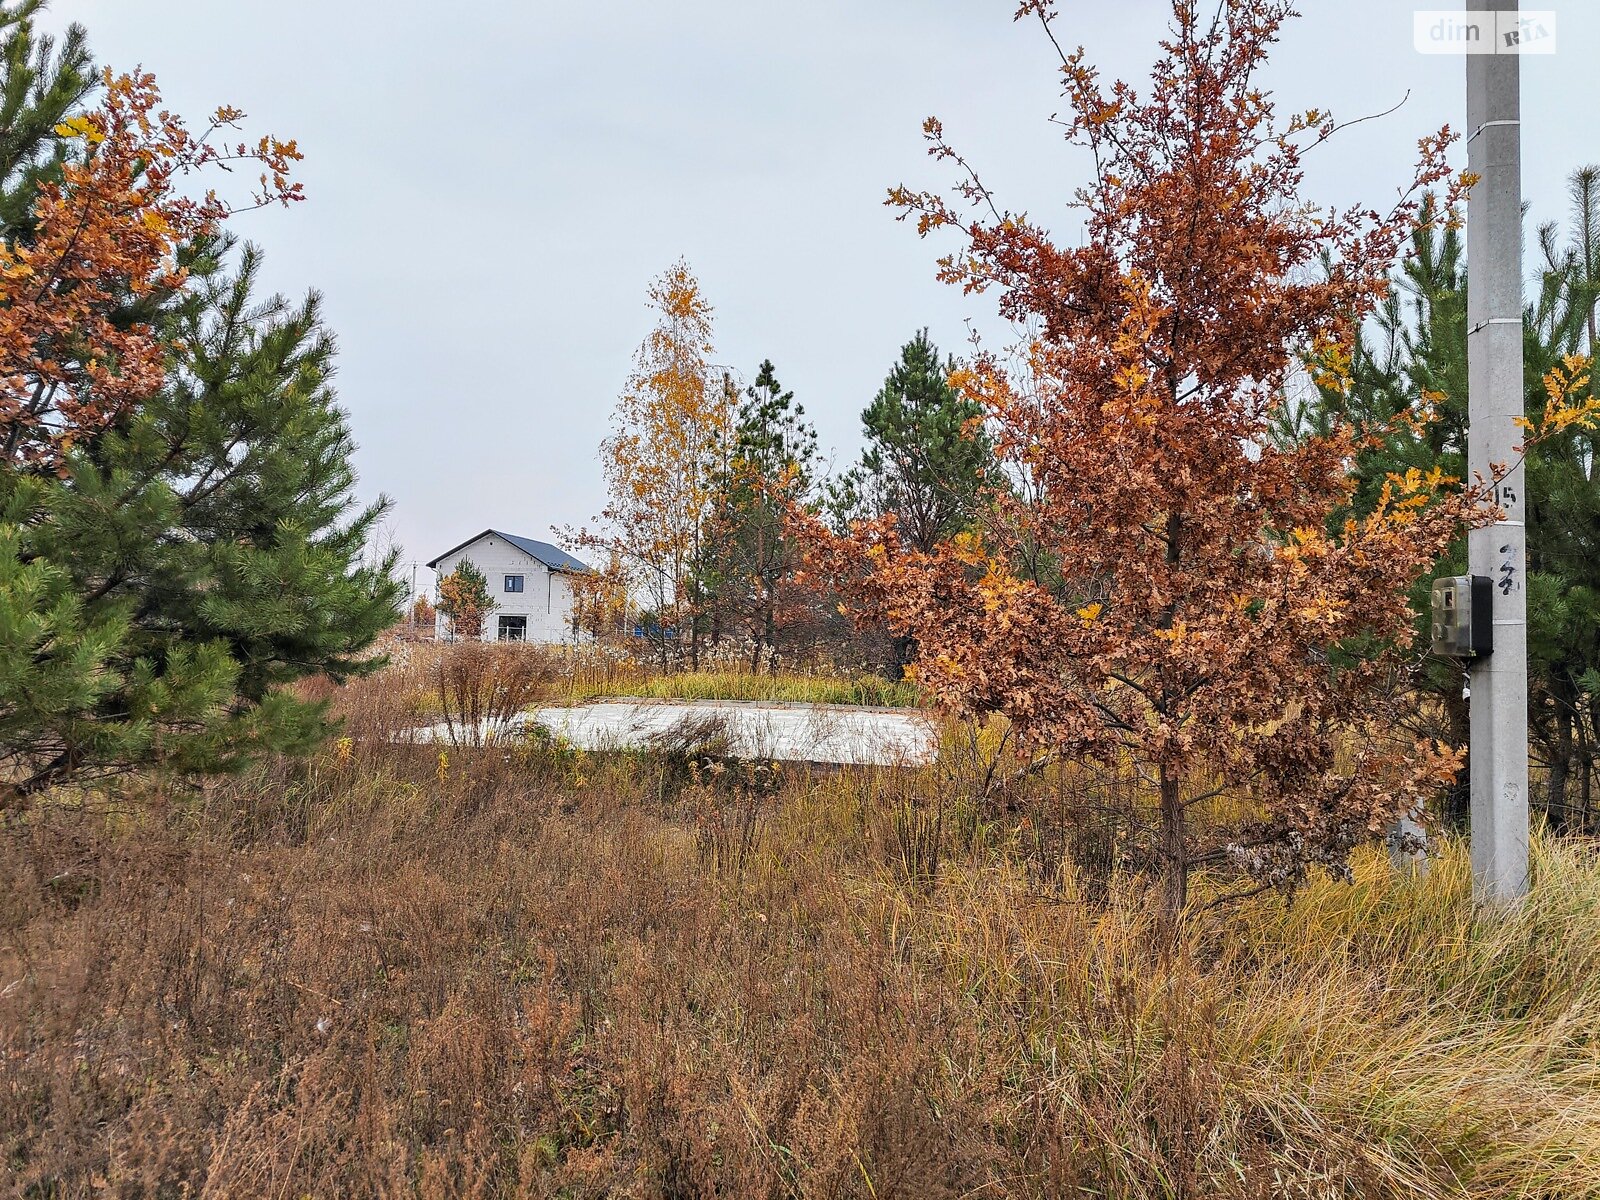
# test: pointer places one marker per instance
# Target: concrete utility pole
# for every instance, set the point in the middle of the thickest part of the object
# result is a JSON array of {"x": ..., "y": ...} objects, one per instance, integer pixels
[{"x": 1499, "y": 682}]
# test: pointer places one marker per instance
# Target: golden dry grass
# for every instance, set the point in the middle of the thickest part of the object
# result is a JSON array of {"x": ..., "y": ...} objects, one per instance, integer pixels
[
  {"x": 784, "y": 686},
  {"x": 549, "y": 974},
  {"x": 586, "y": 673}
]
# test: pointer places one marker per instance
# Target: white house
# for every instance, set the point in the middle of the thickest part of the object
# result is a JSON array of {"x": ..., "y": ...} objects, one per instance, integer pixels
[{"x": 530, "y": 583}]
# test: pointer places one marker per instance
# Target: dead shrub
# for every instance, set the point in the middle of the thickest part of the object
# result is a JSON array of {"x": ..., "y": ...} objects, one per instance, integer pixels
[
  {"x": 484, "y": 688},
  {"x": 918, "y": 838},
  {"x": 677, "y": 752},
  {"x": 386, "y": 708},
  {"x": 729, "y": 798},
  {"x": 1087, "y": 827}
]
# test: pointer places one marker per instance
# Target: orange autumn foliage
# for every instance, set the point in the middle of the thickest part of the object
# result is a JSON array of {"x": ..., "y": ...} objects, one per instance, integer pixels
[
  {"x": 76, "y": 353},
  {"x": 671, "y": 432},
  {"x": 423, "y": 615},
  {"x": 1161, "y": 580},
  {"x": 464, "y": 599},
  {"x": 601, "y": 606}
]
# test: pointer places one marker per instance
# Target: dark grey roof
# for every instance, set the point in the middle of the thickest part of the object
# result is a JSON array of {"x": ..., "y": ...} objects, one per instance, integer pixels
[{"x": 553, "y": 557}]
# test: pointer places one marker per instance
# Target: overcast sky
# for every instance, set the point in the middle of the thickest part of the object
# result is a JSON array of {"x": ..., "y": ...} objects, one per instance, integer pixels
[{"x": 492, "y": 186}]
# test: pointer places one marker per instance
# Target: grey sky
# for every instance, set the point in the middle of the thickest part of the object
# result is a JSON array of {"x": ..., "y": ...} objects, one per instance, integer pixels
[{"x": 492, "y": 186}]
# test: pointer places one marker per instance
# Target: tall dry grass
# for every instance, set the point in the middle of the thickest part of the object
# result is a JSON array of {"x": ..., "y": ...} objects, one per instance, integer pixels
[
  {"x": 784, "y": 687},
  {"x": 483, "y": 684},
  {"x": 533, "y": 972}
]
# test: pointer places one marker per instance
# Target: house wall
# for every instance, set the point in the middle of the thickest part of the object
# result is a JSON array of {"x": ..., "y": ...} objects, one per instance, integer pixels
[{"x": 546, "y": 598}]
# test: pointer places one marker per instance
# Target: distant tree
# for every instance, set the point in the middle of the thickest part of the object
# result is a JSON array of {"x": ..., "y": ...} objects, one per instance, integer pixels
[
  {"x": 464, "y": 599},
  {"x": 671, "y": 434},
  {"x": 926, "y": 451},
  {"x": 1159, "y": 584},
  {"x": 423, "y": 615},
  {"x": 924, "y": 462},
  {"x": 754, "y": 555},
  {"x": 602, "y": 607}
]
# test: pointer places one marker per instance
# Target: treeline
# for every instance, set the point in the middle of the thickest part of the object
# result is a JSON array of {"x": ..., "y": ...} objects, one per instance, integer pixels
[
  {"x": 698, "y": 552},
  {"x": 701, "y": 559}
]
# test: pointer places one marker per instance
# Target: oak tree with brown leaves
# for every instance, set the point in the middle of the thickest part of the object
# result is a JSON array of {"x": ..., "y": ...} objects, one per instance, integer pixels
[
  {"x": 1160, "y": 584},
  {"x": 77, "y": 351}
]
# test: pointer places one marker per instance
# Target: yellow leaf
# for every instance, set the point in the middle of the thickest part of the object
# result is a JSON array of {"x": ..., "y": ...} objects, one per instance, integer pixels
[
  {"x": 1089, "y": 612},
  {"x": 76, "y": 127}
]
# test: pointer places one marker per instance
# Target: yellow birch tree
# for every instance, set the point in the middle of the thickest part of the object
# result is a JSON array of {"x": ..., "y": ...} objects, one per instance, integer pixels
[{"x": 670, "y": 431}]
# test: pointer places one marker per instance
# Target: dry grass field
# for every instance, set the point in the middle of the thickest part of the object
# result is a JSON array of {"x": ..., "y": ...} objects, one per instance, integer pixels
[{"x": 406, "y": 971}]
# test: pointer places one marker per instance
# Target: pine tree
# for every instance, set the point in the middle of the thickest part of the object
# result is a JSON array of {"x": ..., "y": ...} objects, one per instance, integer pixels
[
  {"x": 193, "y": 559},
  {"x": 169, "y": 566},
  {"x": 753, "y": 556},
  {"x": 924, "y": 462},
  {"x": 1416, "y": 346},
  {"x": 1563, "y": 482},
  {"x": 42, "y": 85},
  {"x": 925, "y": 455}
]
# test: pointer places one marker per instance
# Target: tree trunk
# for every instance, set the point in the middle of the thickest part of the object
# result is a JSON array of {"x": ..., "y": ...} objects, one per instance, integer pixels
[
  {"x": 772, "y": 634},
  {"x": 1586, "y": 765},
  {"x": 1457, "y": 804},
  {"x": 1586, "y": 757},
  {"x": 903, "y": 651},
  {"x": 1556, "y": 809},
  {"x": 1586, "y": 795},
  {"x": 1174, "y": 853}
]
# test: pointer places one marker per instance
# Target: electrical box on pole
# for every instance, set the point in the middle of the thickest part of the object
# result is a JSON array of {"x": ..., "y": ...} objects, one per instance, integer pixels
[{"x": 1463, "y": 616}]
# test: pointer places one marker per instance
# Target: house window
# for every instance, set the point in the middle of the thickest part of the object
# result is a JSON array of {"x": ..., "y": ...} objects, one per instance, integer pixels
[
  {"x": 513, "y": 583},
  {"x": 513, "y": 629}
]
